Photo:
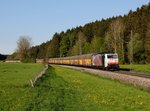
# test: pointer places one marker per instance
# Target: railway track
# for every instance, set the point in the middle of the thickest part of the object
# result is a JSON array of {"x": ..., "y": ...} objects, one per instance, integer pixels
[
  {"x": 129, "y": 77},
  {"x": 128, "y": 72},
  {"x": 132, "y": 73},
  {"x": 124, "y": 71}
]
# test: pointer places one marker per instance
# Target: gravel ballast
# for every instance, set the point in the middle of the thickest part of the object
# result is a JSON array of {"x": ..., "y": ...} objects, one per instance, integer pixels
[{"x": 136, "y": 81}]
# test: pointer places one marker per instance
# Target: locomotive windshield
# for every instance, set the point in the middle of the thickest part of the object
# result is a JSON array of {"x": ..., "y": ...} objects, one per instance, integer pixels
[{"x": 112, "y": 56}]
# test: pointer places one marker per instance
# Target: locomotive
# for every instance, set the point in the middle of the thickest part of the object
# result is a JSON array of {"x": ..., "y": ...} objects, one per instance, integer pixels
[{"x": 99, "y": 60}]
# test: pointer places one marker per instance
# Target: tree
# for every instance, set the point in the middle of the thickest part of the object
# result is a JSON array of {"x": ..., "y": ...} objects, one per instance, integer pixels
[
  {"x": 115, "y": 37},
  {"x": 130, "y": 48},
  {"x": 75, "y": 49},
  {"x": 147, "y": 45},
  {"x": 64, "y": 46},
  {"x": 3, "y": 57},
  {"x": 23, "y": 45},
  {"x": 108, "y": 42},
  {"x": 97, "y": 44},
  {"x": 33, "y": 52},
  {"x": 13, "y": 56},
  {"x": 42, "y": 51},
  {"x": 86, "y": 48},
  {"x": 81, "y": 41},
  {"x": 53, "y": 47},
  {"x": 135, "y": 47}
]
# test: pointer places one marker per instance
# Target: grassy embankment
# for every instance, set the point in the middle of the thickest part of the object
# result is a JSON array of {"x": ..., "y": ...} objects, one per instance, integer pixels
[
  {"x": 70, "y": 90},
  {"x": 138, "y": 68}
]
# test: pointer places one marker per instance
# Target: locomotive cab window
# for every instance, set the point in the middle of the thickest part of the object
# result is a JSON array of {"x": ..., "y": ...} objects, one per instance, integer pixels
[{"x": 112, "y": 56}]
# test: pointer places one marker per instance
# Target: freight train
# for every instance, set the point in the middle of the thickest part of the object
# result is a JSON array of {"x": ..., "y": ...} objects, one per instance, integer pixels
[{"x": 99, "y": 60}]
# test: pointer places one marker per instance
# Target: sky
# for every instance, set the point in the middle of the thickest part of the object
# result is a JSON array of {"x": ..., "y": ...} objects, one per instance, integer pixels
[{"x": 40, "y": 19}]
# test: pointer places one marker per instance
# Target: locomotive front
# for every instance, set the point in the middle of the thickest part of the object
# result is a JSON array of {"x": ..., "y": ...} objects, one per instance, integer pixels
[{"x": 111, "y": 61}]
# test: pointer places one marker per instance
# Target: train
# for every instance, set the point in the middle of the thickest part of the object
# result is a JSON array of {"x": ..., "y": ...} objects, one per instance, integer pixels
[{"x": 105, "y": 61}]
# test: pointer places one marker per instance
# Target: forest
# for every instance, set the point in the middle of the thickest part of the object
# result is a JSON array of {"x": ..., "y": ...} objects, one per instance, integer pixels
[
  {"x": 127, "y": 35},
  {"x": 3, "y": 57}
]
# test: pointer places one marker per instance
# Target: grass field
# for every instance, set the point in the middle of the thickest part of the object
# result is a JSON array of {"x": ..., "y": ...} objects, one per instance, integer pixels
[
  {"x": 63, "y": 89},
  {"x": 138, "y": 68},
  {"x": 15, "y": 84},
  {"x": 66, "y": 89}
]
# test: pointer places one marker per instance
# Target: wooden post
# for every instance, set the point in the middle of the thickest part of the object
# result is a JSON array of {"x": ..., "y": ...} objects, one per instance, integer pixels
[{"x": 32, "y": 83}]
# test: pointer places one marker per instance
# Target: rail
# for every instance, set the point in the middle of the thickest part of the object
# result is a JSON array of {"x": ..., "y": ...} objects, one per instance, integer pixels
[
  {"x": 132, "y": 73},
  {"x": 136, "y": 80}
]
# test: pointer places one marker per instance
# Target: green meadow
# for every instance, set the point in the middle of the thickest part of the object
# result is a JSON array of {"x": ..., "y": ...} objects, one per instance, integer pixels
[
  {"x": 15, "y": 84},
  {"x": 62, "y": 89}
]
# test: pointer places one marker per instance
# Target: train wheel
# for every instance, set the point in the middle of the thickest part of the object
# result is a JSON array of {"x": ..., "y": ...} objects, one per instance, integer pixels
[{"x": 107, "y": 69}]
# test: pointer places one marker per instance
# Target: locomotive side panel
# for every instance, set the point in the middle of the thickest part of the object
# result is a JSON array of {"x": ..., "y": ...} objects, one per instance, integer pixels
[{"x": 98, "y": 60}]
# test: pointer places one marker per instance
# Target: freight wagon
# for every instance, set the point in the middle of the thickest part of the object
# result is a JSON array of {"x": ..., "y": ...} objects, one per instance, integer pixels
[{"x": 99, "y": 60}]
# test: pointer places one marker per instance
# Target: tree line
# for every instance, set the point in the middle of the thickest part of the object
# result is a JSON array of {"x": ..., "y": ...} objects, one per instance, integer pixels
[
  {"x": 127, "y": 35},
  {"x": 3, "y": 57}
]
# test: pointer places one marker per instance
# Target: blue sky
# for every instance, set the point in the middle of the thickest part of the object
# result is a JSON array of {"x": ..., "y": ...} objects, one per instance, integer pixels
[{"x": 40, "y": 19}]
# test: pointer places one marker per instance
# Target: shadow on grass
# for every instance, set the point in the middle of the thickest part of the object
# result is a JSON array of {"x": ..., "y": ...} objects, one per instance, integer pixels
[{"x": 15, "y": 86}]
